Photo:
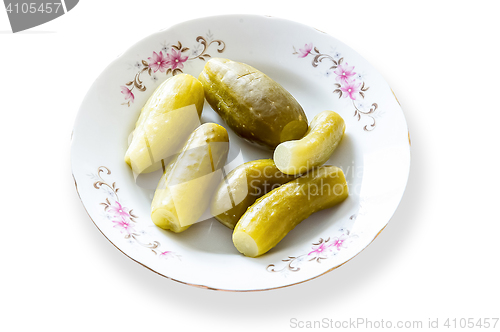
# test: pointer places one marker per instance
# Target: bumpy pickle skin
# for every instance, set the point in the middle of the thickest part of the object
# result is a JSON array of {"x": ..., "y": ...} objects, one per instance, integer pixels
[
  {"x": 253, "y": 105},
  {"x": 272, "y": 216},
  {"x": 242, "y": 186},
  {"x": 190, "y": 179},
  {"x": 167, "y": 119},
  {"x": 315, "y": 148}
]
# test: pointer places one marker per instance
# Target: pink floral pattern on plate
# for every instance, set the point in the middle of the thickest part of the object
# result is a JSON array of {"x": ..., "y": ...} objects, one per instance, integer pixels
[
  {"x": 123, "y": 218},
  {"x": 169, "y": 60},
  {"x": 349, "y": 83},
  {"x": 321, "y": 250}
]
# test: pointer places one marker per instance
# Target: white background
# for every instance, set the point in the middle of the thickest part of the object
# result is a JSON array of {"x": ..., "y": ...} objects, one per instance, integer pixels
[{"x": 438, "y": 257}]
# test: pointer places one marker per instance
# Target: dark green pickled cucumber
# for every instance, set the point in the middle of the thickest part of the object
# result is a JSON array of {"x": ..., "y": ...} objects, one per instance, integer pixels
[
  {"x": 242, "y": 186},
  {"x": 272, "y": 216},
  {"x": 254, "y": 106}
]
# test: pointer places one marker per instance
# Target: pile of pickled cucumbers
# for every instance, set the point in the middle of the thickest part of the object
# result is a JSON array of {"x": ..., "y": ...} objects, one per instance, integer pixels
[{"x": 261, "y": 200}]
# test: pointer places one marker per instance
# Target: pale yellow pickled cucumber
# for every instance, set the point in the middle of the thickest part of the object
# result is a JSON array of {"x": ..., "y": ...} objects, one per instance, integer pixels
[
  {"x": 190, "y": 179},
  {"x": 242, "y": 186},
  {"x": 315, "y": 148},
  {"x": 272, "y": 216},
  {"x": 166, "y": 121}
]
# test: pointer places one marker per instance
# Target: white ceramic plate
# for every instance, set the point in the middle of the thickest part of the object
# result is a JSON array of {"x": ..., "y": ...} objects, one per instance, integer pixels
[{"x": 375, "y": 153}]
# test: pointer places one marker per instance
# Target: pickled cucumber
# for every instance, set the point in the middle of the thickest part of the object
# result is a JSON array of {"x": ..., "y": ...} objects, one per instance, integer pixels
[
  {"x": 254, "y": 106},
  {"x": 190, "y": 179},
  {"x": 242, "y": 186},
  {"x": 315, "y": 148},
  {"x": 272, "y": 216},
  {"x": 166, "y": 121}
]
